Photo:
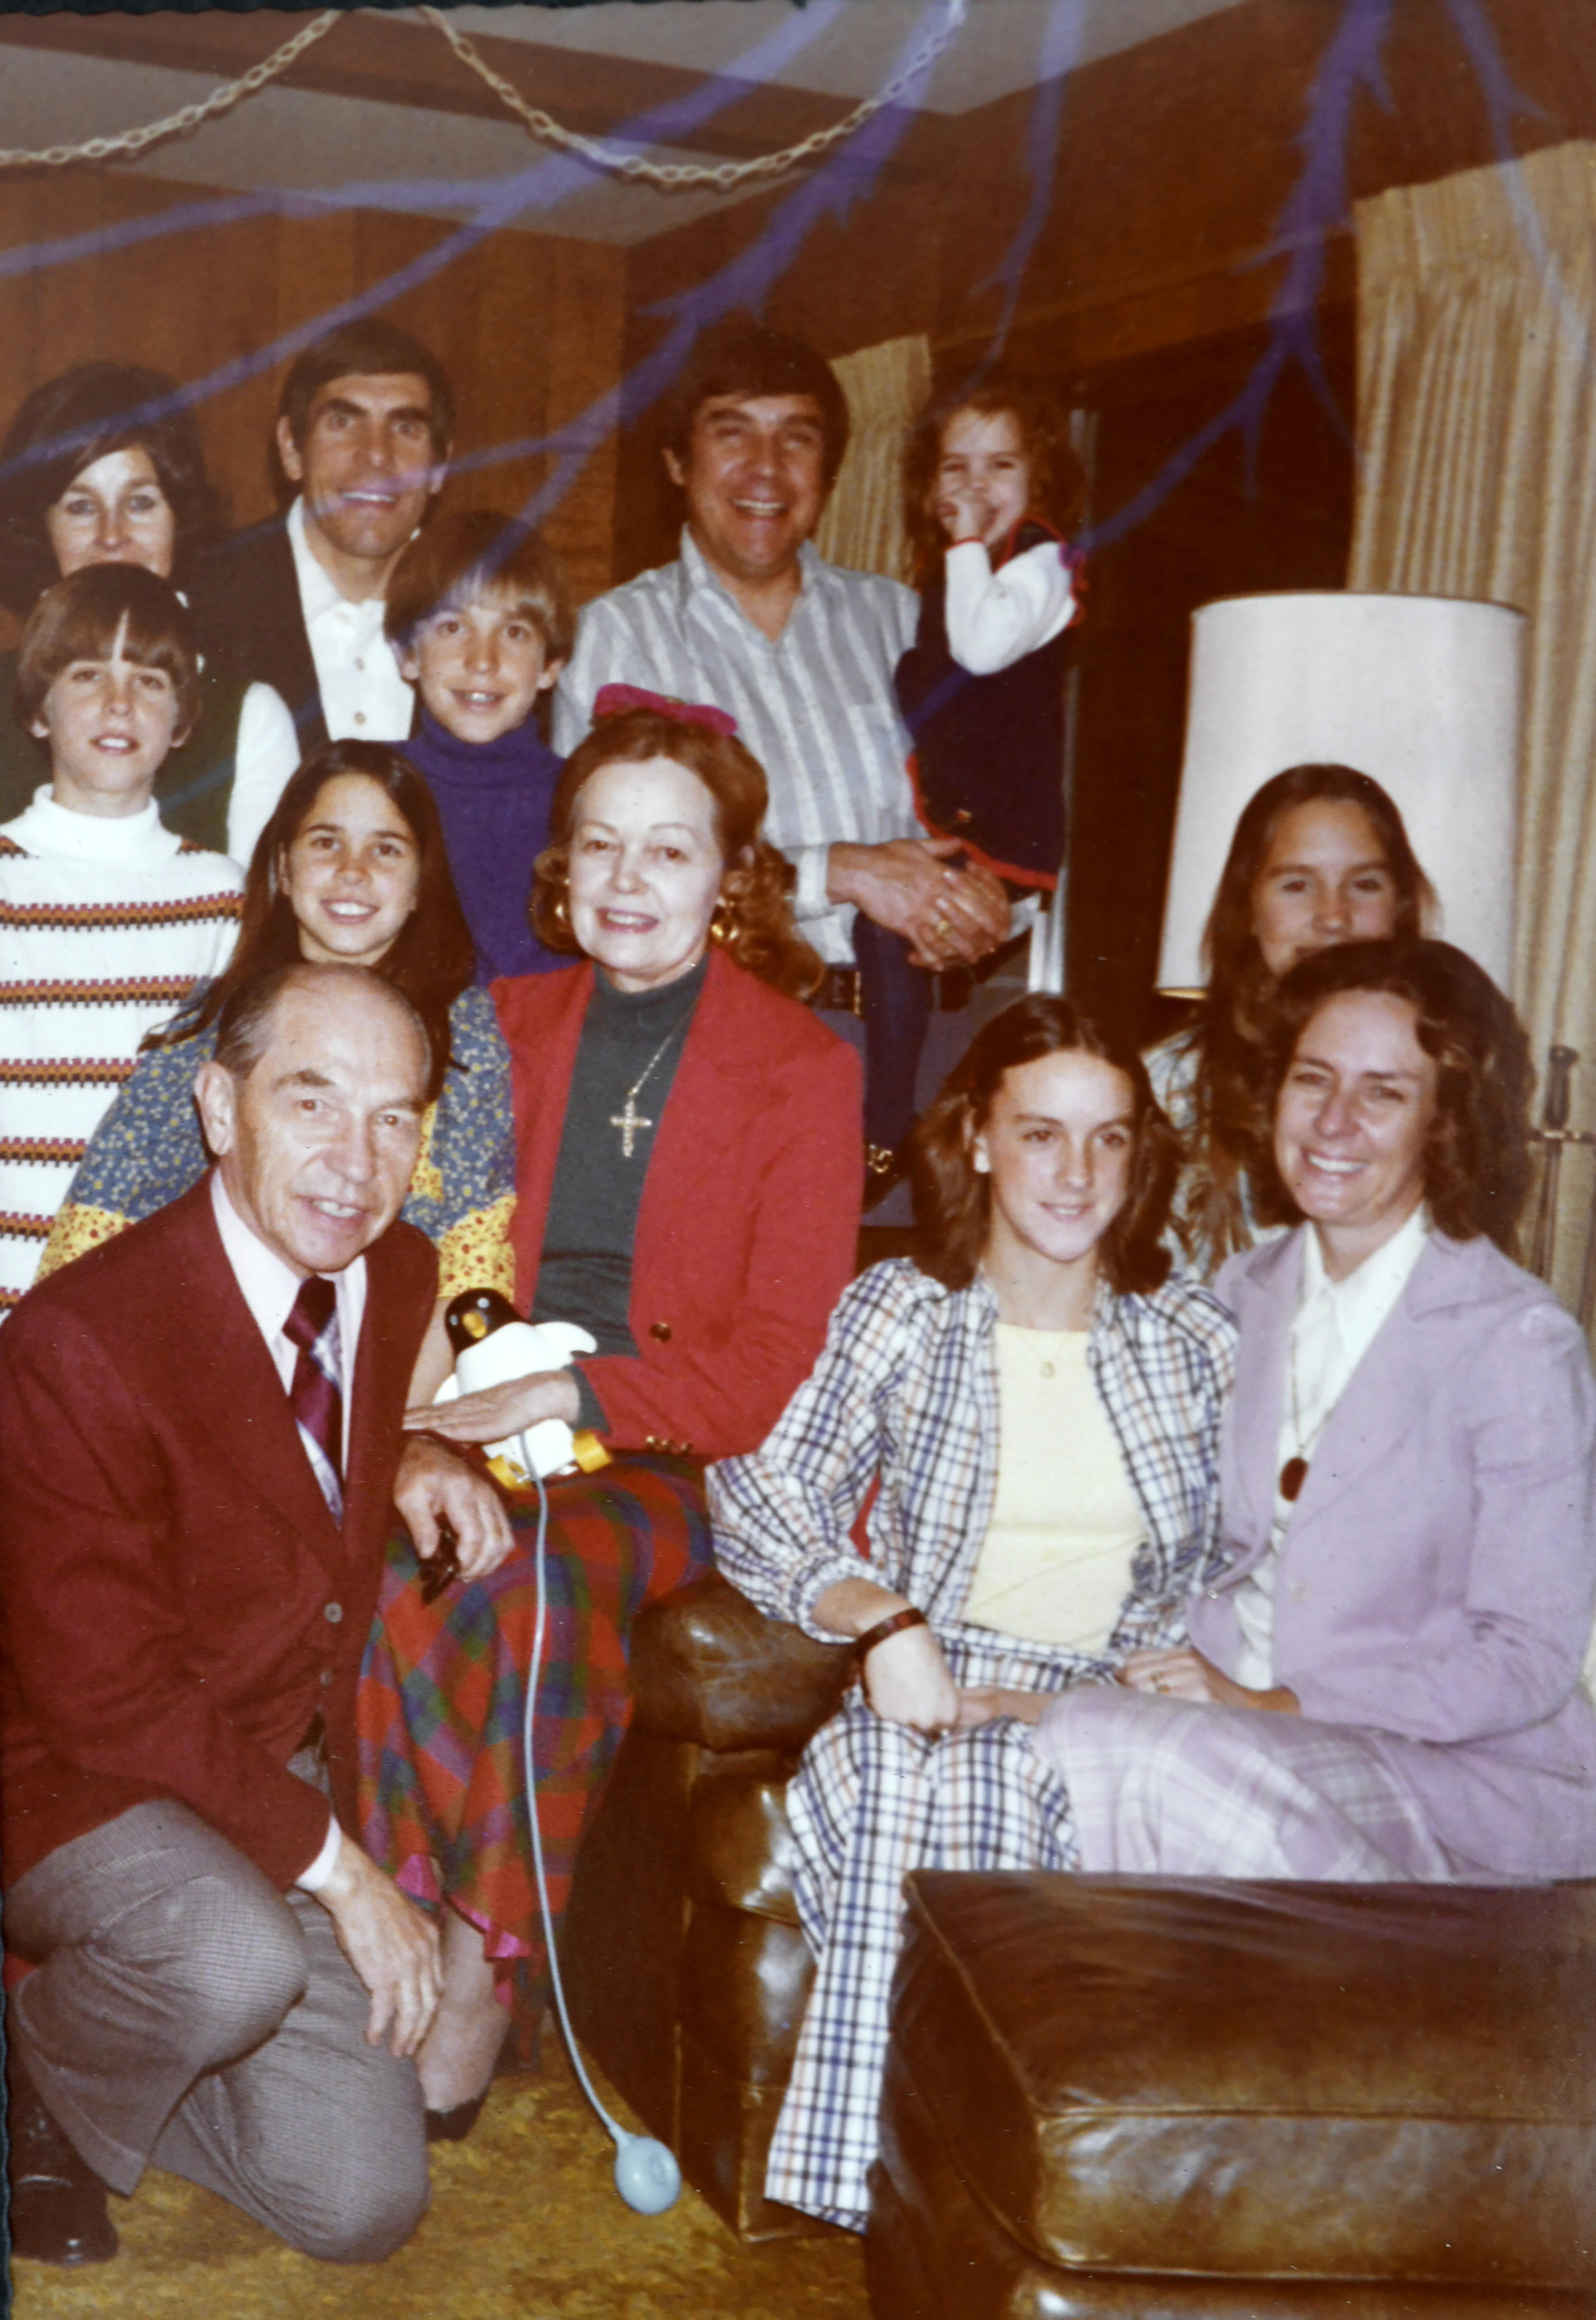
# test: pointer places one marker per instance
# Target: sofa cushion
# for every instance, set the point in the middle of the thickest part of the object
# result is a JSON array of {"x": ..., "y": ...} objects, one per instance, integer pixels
[
  {"x": 707, "y": 1667},
  {"x": 1186, "y": 2076}
]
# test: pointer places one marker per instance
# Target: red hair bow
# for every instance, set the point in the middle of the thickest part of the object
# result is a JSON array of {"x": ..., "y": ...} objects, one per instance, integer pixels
[{"x": 615, "y": 700}]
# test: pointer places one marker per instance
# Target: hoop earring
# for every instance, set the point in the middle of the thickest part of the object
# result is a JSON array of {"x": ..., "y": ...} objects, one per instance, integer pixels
[
  {"x": 560, "y": 911},
  {"x": 723, "y": 927}
]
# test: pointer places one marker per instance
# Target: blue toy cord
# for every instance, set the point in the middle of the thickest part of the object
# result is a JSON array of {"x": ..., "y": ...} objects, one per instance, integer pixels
[{"x": 645, "y": 2173}]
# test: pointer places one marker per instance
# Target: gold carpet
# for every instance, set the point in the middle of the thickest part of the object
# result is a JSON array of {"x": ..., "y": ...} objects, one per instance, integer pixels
[{"x": 525, "y": 2225}]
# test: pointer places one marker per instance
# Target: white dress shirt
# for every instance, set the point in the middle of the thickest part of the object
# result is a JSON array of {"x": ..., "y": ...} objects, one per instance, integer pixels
[
  {"x": 1336, "y": 1323},
  {"x": 269, "y": 1288},
  {"x": 264, "y": 755},
  {"x": 364, "y": 698}
]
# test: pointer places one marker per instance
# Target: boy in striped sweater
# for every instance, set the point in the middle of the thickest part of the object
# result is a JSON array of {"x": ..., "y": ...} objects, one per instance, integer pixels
[{"x": 106, "y": 917}]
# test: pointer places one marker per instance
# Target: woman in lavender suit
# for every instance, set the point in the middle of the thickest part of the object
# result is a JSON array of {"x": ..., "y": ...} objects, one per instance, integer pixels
[{"x": 1384, "y": 1681}]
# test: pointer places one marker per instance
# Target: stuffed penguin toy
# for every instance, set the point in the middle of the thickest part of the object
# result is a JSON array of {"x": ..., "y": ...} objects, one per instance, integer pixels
[{"x": 492, "y": 1344}]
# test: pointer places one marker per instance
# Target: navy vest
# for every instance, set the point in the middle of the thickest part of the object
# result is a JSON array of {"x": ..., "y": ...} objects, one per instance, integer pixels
[{"x": 989, "y": 750}]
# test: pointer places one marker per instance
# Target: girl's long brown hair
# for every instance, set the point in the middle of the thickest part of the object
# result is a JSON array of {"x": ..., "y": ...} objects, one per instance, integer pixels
[
  {"x": 953, "y": 1202},
  {"x": 432, "y": 959},
  {"x": 1228, "y": 1038}
]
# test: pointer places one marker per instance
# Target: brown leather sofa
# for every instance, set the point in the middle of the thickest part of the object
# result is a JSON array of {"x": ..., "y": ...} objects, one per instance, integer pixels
[
  {"x": 685, "y": 1970},
  {"x": 1109, "y": 2098}
]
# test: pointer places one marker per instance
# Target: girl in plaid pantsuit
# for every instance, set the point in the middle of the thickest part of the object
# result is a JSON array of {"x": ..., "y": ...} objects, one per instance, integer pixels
[{"x": 1043, "y": 1181}]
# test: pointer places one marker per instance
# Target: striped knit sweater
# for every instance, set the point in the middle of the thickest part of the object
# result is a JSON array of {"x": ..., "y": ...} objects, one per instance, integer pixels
[{"x": 104, "y": 925}]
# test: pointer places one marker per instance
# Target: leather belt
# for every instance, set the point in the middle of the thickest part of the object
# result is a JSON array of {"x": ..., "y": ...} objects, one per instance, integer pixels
[{"x": 840, "y": 993}]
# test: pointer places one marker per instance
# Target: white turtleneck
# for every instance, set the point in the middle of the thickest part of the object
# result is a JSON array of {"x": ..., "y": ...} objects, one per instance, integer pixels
[{"x": 106, "y": 922}]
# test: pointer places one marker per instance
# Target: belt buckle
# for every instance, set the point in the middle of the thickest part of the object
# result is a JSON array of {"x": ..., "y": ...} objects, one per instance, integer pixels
[{"x": 843, "y": 994}]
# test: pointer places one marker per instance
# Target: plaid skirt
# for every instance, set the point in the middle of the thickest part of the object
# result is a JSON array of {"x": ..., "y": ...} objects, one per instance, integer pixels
[
  {"x": 870, "y": 1801},
  {"x": 443, "y": 1698}
]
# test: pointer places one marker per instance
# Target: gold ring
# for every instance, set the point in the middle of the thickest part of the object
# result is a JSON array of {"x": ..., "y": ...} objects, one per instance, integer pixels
[
  {"x": 1159, "y": 1685},
  {"x": 939, "y": 928}
]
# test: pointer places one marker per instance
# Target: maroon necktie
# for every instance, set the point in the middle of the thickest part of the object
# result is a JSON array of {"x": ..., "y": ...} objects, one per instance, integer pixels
[{"x": 316, "y": 1395}]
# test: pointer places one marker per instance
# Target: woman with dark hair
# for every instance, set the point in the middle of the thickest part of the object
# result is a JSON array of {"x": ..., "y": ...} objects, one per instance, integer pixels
[
  {"x": 1409, "y": 1488},
  {"x": 1319, "y": 857},
  {"x": 103, "y": 465},
  {"x": 1027, "y": 1418},
  {"x": 688, "y": 1150},
  {"x": 352, "y": 867}
]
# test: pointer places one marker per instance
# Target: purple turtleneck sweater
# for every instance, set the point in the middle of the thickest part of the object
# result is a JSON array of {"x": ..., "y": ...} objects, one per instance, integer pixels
[{"x": 494, "y": 799}]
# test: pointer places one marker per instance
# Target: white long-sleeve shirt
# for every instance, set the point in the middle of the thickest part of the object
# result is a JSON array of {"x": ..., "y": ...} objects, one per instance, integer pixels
[{"x": 995, "y": 618}]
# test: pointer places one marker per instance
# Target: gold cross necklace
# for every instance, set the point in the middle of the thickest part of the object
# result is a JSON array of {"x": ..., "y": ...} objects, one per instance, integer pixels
[{"x": 629, "y": 1119}]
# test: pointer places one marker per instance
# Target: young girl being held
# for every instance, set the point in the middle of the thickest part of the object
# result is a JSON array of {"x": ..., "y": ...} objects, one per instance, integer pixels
[
  {"x": 481, "y": 619},
  {"x": 991, "y": 486}
]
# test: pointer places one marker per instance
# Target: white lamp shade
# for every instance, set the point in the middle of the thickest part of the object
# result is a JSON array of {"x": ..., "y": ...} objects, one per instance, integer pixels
[{"x": 1423, "y": 693}]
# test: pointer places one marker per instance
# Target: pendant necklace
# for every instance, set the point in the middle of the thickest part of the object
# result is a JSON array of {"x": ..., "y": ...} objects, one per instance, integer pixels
[
  {"x": 1294, "y": 1473},
  {"x": 628, "y": 1119}
]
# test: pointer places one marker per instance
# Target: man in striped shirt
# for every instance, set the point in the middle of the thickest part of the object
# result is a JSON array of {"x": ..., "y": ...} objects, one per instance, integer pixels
[{"x": 752, "y": 619}]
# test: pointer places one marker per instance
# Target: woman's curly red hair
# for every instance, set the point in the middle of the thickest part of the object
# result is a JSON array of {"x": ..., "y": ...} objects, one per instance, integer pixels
[{"x": 753, "y": 919}]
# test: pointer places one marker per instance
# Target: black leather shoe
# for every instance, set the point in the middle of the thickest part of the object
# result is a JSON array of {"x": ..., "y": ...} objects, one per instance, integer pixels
[{"x": 57, "y": 2202}]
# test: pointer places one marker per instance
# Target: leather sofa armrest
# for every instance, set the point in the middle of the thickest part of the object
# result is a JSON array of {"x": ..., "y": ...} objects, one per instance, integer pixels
[{"x": 707, "y": 1667}]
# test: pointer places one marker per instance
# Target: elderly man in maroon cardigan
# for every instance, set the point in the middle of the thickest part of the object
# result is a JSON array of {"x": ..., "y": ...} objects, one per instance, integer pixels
[{"x": 202, "y": 1449}]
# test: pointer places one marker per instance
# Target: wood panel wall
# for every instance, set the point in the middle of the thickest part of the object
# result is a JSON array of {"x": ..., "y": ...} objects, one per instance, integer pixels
[{"x": 530, "y": 326}]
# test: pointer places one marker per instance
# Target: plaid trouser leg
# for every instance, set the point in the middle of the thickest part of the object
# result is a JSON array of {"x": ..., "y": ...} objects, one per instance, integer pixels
[
  {"x": 859, "y": 1809},
  {"x": 1177, "y": 1787},
  {"x": 873, "y": 1800}
]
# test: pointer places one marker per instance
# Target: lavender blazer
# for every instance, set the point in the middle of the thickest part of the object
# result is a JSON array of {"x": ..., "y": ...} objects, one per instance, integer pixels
[{"x": 1438, "y": 1581}]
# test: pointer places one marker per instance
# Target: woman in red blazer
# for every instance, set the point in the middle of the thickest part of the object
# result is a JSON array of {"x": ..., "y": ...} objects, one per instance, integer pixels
[{"x": 689, "y": 1161}]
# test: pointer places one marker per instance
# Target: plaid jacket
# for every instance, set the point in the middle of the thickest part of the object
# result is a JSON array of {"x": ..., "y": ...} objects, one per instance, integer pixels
[{"x": 906, "y": 1394}]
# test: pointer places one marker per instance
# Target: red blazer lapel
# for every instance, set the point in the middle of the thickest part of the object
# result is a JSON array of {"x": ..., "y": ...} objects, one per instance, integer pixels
[
  {"x": 383, "y": 1363},
  {"x": 541, "y": 1016},
  {"x": 718, "y": 1076}
]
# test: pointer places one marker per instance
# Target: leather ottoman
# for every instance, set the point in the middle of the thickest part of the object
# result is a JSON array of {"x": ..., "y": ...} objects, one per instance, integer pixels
[{"x": 1172, "y": 2097}]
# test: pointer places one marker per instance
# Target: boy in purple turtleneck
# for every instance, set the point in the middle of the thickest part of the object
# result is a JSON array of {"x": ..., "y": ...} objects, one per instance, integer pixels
[{"x": 480, "y": 618}]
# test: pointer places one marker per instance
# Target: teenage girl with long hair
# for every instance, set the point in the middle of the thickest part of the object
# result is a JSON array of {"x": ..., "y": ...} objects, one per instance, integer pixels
[{"x": 1319, "y": 857}]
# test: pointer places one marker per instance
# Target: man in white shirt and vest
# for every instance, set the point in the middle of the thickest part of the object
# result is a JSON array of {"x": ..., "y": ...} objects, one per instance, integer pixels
[
  {"x": 225, "y": 1984},
  {"x": 364, "y": 425}
]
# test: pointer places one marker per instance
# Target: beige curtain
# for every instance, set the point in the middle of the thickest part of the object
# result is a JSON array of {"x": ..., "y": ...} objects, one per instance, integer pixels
[
  {"x": 887, "y": 388},
  {"x": 1477, "y": 477}
]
